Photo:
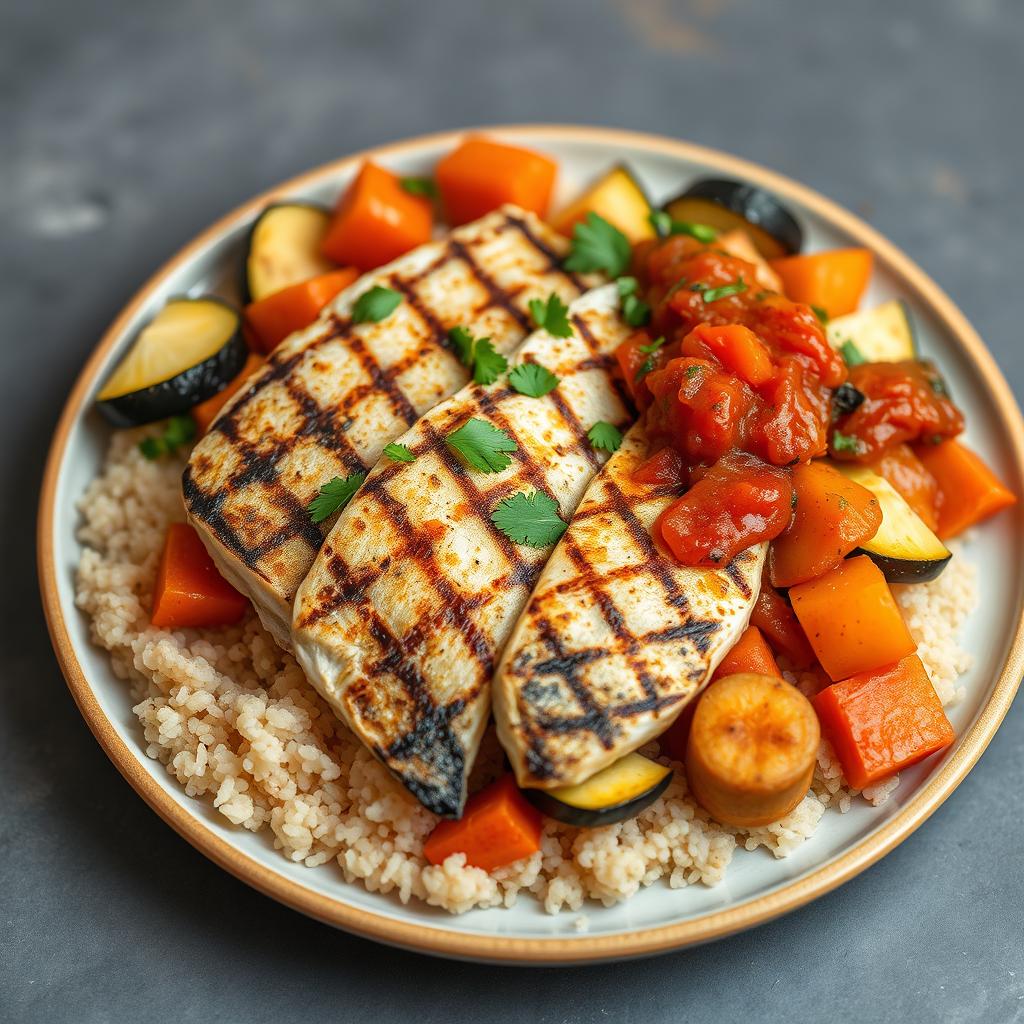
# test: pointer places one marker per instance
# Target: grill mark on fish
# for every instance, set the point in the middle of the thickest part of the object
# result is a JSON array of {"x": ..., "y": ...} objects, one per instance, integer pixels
[
  {"x": 382, "y": 381},
  {"x": 498, "y": 295},
  {"x": 735, "y": 573},
  {"x": 604, "y": 361},
  {"x": 555, "y": 262}
]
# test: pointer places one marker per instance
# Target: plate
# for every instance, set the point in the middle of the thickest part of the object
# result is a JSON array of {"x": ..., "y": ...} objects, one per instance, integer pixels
[{"x": 757, "y": 887}]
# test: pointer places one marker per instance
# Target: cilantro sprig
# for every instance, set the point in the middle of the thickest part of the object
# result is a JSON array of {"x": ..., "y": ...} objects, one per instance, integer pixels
[
  {"x": 664, "y": 224},
  {"x": 551, "y": 315},
  {"x": 419, "y": 187},
  {"x": 844, "y": 442},
  {"x": 178, "y": 431},
  {"x": 851, "y": 354},
  {"x": 398, "y": 453},
  {"x": 635, "y": 311},
  {"x": 482, "y": 445},
  {"x": 478, "y": 354},
  {"x": 334, "y": 496},
  {"x": 725, "y": 290},
  {"x": 532, "y": 379},
  {"x": 375, "y": 304},
  {"x": 598, "y": 245},
  {"x": 531, "y": 519},
  {"x": 605, "y": 435},
  {"x": 648, "y": 364}
]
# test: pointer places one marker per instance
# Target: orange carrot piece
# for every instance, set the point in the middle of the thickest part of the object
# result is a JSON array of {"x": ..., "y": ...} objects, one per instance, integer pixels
[
  {"x": 968, "y": 490},
  {"x": 282, "y": 313},
  {"x": 833, "y": 280},
  {"x": 749, "y": 654},
  {"x": 882, "y": 721},
  {"x": 189, "y": 589},
  {"x": 481, "y": 175},
  {"x": 833, "y": 515},
  {"x": 206, "y": 412},
  {"x": 775, "y": 619},
  {"x": 851, "y": 619},
  {"x": 736, "y": 347},
  {"x": 498, "y": 826},
  {"x": 376, "y": 220},
  {"x": 907, "y": 474}
]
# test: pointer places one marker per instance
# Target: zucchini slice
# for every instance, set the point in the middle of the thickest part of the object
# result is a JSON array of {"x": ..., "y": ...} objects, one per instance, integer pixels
[
  {"x": 726, "y": 204},
  {"x": 191, "y": 350},
  {"x": 619, "y": 198},
  {"x": 615, "y": 793},
  {"x": 903, "y": 548},
  {"x": 884, "y": 334},
  {"x": 284, "y": 248}
]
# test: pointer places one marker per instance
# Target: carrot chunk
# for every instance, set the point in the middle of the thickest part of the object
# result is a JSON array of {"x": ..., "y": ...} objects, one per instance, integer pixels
[
  {"x": 833, "y": 515},
  {"x": 775, "y": 619},
  {"x": 206, "y": 412},
  {"x": 736, "y": 347},
  {"x": 884, "y": 720},
  {"x": 851, "y": 619},
  {"x": 749, "y": 654},
  {"x": 189, "y": 589},
  {"x": 282, "y": 313},
  {"x": 499, "y": 826},
  {"x": 968, "y": 490},
  {"x": 833, "y": 280},
  {"x": 481, "y": 175},
  {"x": 376, "y": 220}
]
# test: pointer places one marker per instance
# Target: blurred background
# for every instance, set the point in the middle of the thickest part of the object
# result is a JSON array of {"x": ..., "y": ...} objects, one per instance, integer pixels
[{"x": 127, "y": 127}]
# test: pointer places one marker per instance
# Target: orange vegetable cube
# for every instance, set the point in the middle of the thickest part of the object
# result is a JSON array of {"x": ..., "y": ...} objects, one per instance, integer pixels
[
  {"x": 283, "y": 312},
  {"x": 736, "y": 347},
  {"x": 749, "y": 654},
  {"x": 189, "y": 590},
  {"x": 884, "y": 720},
  {"x": 776, "y": 621},
  {"x": 498, "y": 826},
  {"x": 833, "y": 280},
  {"x": 968, "y": 490},
  {"x": 206, "y": 412},
  {"x": 851, "y": 619},
  {"x": 480, "y": 175},
  {"x": 376, "y": 221}
]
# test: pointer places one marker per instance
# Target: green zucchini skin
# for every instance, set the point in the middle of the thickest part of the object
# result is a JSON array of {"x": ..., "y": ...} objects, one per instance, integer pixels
[
  {"x": 244, "y": 290},
  {"x": 585, "y": 818},
  {"x": 906, "y": 570}
]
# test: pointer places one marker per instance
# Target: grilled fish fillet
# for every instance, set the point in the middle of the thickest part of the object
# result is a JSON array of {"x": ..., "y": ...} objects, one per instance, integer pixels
[
  {"x": 616, "y": 638},
  {"x": 409, "y": 603},
  {"x": 334, "y": 394}
]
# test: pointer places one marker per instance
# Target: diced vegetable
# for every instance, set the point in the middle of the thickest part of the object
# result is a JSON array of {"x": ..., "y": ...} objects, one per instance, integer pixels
[
  {"x": 618, "y": 197},
  {"x": 832, "y": 281},
  {"x": 620, "y": 791},
  {"x": 749, "y": 654},
  {"x": 738, "y": 242},
  {"x": 833, "y": 516},
  {"x": 665, "y": 468},
  {"x": 284, "y": 248},
  {"x": 903, "y": 547},
  {"x": 775, "y": 618},
  {"x": 189, "y": 590},
  {"x": 736, "y": 347},
  {"x": 851, "y": 619},
  {"x": 481, "y": 174},
  {"x": 882, "y": 721},
  {"x": 206, "y": 412},
  {"x": 376, "y": 221},
  {"x": 752, "y": 749},
  {"x": 968, "y": 490},
  {"x": 905, "y": 471},
  {"x": 726, "y": 204},
  {"x": 187, "y": 353},
  {"x": 278, "y": 315},
  {"x": 498, "y": 826},
  {"x": 884, "y": 334}
]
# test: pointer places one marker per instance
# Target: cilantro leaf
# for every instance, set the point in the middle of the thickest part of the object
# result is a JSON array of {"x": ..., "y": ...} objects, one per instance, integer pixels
[
  {"x": 820, "y": 312},
  {"x": 334, "y": 496},
  {"x": 487, "y": 363},
  {"x": 635, "y": 311},
  {"x": 398, "y": 453},
  {"x": 598, "y": 245},
  {"x": 482, "y": 445},
  {"x": 530, "y": 519},
  {"x": 844, "y": 442},
  {"x": 664, "y": 224},
  {"x": 532, "y": 379},
  {"x": 851, "y": 354},
  {"x": 552, "y": 315},
  {"x": 178, "y": 431},
  {"x": 419, "y": 186},
  {"x": 714, "y": 294},
  {"x": 462, "y": 342},
  {"x": 375, "y": 305},
  {"x": 654, "y": 345},
  {"x": 605, "y": 435}
]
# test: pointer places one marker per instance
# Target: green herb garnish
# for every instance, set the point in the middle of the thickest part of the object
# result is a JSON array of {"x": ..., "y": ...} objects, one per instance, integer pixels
[
  {"x": 532, "y": 379},
  {"x": 714, "y": 294},
  {"x": 375, "y": 305},
  {"x": 852, "y": 355},
  {"x": 598, "y": 245},
  {"x": 605, "y": 435},
  {"x": 478, "y": 354},
  {"x": 420, "y": 187},
  {"x": 399, "y": 453},
  {"x": 821, "y": 314},
  {"x": 530, "y": 519},
  {"x": 635, "y": 311},
  {"x": 551, "y": 315},
  {"x": 482, "y": 445},
  {"x": 334, "y": 496},
  {"x": 654, "y": 345},
  {"x": 844, "y": 443},
  {"x": 178, "y": 431},
  {"x": 665, "y": 225}
]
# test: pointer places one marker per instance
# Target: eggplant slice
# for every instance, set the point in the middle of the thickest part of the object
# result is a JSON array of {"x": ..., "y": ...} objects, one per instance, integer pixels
[
  {"x": 284, "y": 248},
  {"x": 191, "y": 350},
  {"x": 725, "y": 204}
]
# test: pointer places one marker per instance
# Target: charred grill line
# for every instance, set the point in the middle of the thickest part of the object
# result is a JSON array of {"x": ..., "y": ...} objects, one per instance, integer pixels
[
  {"x": 603, "y": 361},
  {"x": 499, "y": 296},
  {"x": 382, "y": 381},
  {"x": 736, "y": 575},
  {"x": 554, "y": 260},
  {"x": 319, "y": 423}
]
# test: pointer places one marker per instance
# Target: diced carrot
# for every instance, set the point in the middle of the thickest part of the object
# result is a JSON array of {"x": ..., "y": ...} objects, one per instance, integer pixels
[
  {"x": 481, "y": 175},
  {"x": 833, "y": 280},
  {"x": 206, "y": 412},
  {"x": 884, "y": 720},
  {"x": 775, "y": 619},
  {"x": 498, "y": 826},
  {"x": 749, "y": 654},
  {"x": 189, "y": 590},
  {"x": 851, "y": 619},
  {"x": 376, "y": 220},
  {"x": 665, "y": 468},
  {"x": 738, "y": 242},
  {"x": 907, "y": 474},
  {"x": 281, "y": 313},
  {"x": 968, "y": 490},
  {"x": 736, "y": 347},
  {"x": 833, "y": 515}
]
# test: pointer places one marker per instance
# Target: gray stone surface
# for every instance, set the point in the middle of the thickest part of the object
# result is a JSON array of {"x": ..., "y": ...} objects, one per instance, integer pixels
[{"x": 126, "y": 127}]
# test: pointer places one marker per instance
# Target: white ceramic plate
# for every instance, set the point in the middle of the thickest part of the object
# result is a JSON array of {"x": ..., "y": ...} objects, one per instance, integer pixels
[{"x": 757, "y": 886}]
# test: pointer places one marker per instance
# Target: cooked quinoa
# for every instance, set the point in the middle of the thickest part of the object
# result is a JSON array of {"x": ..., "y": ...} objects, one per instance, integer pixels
[{"x": 232, "y": 718}]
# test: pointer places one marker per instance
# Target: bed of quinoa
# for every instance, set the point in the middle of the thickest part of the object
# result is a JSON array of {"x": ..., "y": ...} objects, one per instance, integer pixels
[{"x": 233, "y": 720}]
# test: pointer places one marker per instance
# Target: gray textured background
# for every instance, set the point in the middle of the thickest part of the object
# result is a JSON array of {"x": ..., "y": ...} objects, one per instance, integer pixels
[{"x": 126, "y": 127}]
